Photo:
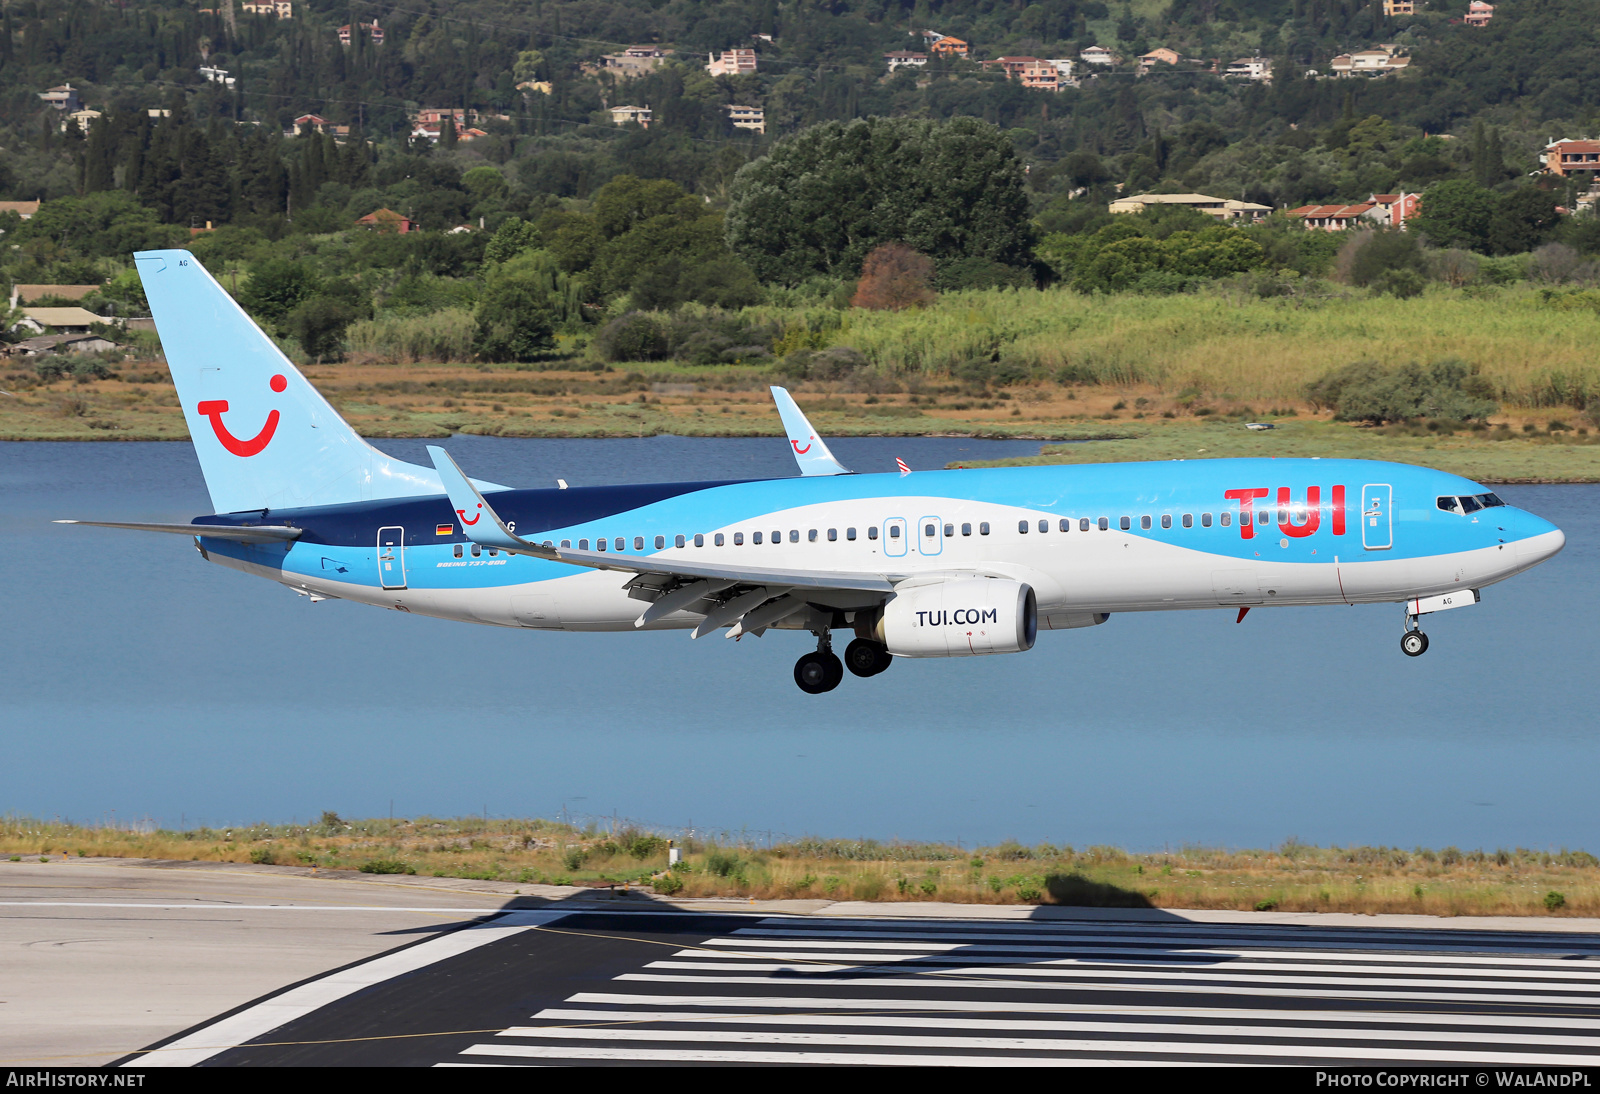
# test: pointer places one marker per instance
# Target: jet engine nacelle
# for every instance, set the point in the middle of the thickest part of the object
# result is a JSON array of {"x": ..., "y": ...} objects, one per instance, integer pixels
[{"x": 960, "y": 618}]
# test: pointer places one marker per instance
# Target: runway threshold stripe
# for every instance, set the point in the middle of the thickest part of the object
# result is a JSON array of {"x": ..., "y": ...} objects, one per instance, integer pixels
[
  {"x": 1021, "y": 1006},
  {"x": 268, "y": 1015},
  {"x": 1177, "y": 1029},
  {"x": 804, "y": 948},
  {"x": 1037, "y": 1047},
  {"x": 1045, "y": 971},
  {"x": 1223, "y": 934},
  {"x": 1353, "y": 991},
  {"x": 749, "y": 1056},
  {"x": 1245, "y": 960}
]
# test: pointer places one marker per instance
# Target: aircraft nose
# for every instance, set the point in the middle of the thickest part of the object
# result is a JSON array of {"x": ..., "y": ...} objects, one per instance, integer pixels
[{"x": 1537, "y": 539}]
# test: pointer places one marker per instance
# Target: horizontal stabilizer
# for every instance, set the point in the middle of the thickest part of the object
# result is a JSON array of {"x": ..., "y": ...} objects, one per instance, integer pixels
[
  {"x": 809, "y": 451},
  {"x": 264, "y": 533}
]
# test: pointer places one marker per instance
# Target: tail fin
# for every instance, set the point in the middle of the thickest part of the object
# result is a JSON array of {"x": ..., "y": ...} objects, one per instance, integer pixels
[{"x": 266, "y": 438}]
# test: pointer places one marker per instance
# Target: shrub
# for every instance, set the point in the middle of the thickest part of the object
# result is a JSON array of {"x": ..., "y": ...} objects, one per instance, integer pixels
[
  {"x": 710, "y": 337},
  {"x": 572, "y": 858},
  {"x": 1554, "y": 900},
  {"x": 632, "y": 337},
  {"x": 893, "y": 278},
  {"x": 667, "y": 884},
  {"x": 723, "y": 863},
  {"x": 642, "y": 846},
  {"x": 1369, "y": 392},
  {"x": 386, "y": 866},
  {"x": 263, "y": 856},
  {"x": 1266, "y": 905},
  {"x": 1403, "y": 284}
]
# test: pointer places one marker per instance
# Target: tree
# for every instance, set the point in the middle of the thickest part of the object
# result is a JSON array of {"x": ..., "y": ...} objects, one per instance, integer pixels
[
  {"x": 1457, "y": 213},
  {"x": 523, "y": 301},
  {"x": 893, "y": 278},
  {"x": 276, "y": 287},
  {"x": 824, "y": 198}
]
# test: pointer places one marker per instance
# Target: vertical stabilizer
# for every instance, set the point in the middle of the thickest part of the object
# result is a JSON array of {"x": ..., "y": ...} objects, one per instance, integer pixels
[
  {"x": 809, "y": 451},
  {"x": 266, "y": 438}
]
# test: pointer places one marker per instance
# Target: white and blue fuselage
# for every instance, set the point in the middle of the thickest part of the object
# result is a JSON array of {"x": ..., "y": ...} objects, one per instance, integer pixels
[{"x": 921, "y": 564}]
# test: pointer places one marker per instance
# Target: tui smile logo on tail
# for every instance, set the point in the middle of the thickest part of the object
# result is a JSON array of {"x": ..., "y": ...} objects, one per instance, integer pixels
[
  {"x": 216, "y": 408},
  {"x": 807, "y": 448}
]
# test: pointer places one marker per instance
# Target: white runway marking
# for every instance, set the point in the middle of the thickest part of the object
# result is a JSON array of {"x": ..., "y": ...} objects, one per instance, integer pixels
[{"x": 793, "y": 991}]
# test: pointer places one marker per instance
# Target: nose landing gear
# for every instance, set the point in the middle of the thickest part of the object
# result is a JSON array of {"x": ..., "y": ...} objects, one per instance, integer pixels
[{"x": 1413, "y": 643}]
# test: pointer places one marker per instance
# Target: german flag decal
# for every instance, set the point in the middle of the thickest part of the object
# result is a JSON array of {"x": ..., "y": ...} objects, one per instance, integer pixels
[{"x": 445, "y": 530}]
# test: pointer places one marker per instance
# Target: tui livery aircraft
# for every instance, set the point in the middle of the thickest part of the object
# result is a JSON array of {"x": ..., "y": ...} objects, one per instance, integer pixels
[{"x": 923, "y": 564}]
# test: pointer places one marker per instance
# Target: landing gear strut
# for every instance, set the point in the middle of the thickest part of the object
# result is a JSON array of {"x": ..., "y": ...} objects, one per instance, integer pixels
[
  {"x": 1413, "y": 643},
  {"x": 820, "y": 671}
]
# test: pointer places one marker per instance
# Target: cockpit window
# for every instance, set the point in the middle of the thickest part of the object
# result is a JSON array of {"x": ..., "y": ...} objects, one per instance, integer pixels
[{"x": 1469, "y": 503}]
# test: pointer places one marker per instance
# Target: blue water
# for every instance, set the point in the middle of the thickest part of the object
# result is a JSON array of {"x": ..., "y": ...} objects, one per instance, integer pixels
[{"x": 141, "y": 682}]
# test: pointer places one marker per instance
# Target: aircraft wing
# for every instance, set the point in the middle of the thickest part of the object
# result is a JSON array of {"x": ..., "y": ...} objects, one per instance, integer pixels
[
  {"x": 262, "y": 533},
  {"x": 809, "y": 451},
  {"x": 757, "y": 597}
]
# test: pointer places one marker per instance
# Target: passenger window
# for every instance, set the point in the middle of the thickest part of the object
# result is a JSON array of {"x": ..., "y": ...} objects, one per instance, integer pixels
[
  {"x": 894, "y": 531},
  {"x": 1105, "y": 523},
  {"x": 928, "y": 530},
  {"x": 1144, "y": 522},
  {"x": 494, "y": 552},
  {"x": 794, "y": 535},
  {"x": 476, "y": 550},
  {"x": 872, "y": 533},
  {"x": 966, "y": 529},
  {"x": 1022, "y": 527},
  {"x": 661, "y": 542},
  {"x": 677, "y": 541},
  {"x": 1166, "y": 520},
  {"x": 1205, "y": 520},
  {"x": 600, "y": 544},
  {"x": 738, "y": 539},
  {"x": 699, "y": 539},
  {"x": 949, "y": 530},
  {"x": 983, "y": 529},
  {"x": 547, "y": 543},
  {"x": 1125, "y": 523},
  {"x": 850, "y": 534},
  {"x": 458, "y": 550},
  {"x": 1044, "y": 526},
  {"x": 833, "y": 535},
  {"x": 777, "y": 537},
  {"x": 1227, "y": 519},
  {"x": 566, "y": 543},
  {"x": 755, "y": 537},
  {"x": 1083, "y": 524},
  {"x": 811, "y": 536},
  {"x": 638, "y": 543},
  {"x": 718, "y": 539},
  {"x": 1263, "y": 516},
  {"x": 1188, "y": 520},
  {"x": 1066, "y": 525}
]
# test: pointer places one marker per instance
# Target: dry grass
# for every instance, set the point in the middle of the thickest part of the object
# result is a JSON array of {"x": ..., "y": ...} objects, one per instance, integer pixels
[{"x": 1292, "y": 877}]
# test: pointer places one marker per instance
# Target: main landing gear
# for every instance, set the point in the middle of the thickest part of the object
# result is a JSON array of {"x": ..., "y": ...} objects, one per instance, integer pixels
[
  {"x": 821, "y": 671},
  {"x": 1413, "y": 643}
]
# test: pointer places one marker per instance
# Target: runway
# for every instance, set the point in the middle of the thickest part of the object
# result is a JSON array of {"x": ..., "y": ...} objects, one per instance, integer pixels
[{"x": 650, "y": 987}]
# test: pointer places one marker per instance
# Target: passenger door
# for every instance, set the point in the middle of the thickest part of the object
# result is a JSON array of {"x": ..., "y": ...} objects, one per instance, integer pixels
[
  {"x": 1377, "y": 522},
  {"x": 392, "y": 558},
  {"x": 894, "y": 537}
]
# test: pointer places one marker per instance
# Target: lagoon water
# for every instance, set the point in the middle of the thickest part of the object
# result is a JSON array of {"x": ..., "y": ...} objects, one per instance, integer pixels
[{"x": 140, "y": 682}]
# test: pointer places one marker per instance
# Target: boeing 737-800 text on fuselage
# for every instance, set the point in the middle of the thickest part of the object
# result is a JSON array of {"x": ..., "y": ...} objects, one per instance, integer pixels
[{"x": 926, "y": 564}]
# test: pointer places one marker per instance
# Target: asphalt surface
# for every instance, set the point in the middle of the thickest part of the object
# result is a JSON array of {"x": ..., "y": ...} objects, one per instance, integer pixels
[
  {"x": 636, "y": 988},
  {"x": 181, "y": 965}
]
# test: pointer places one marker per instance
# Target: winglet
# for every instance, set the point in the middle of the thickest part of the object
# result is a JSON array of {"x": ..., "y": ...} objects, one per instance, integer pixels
[
  {"x": 809, "y": 451},
  {"x": 476, "y": 517}
]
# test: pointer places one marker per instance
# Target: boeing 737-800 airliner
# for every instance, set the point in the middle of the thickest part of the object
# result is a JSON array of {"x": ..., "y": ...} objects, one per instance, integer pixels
[{"x": 925, "y": 564}]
